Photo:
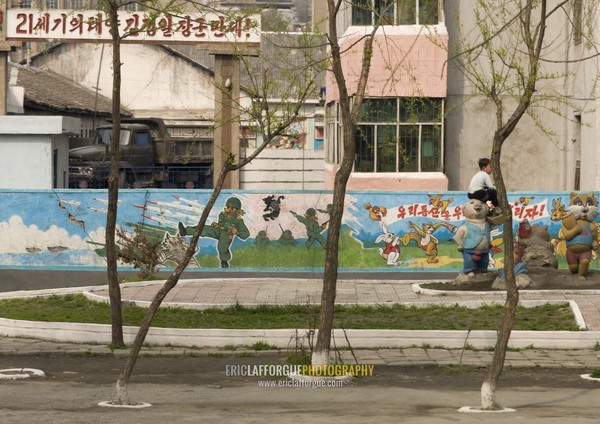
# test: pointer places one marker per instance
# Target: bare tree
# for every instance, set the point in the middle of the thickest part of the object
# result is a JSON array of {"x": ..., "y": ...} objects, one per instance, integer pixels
[
  {"x": 506, "y": 65},
  {"x": 350, "y": 105},
  {"x": 271, "y": 120},
  {"x": 114, "y": 290}
]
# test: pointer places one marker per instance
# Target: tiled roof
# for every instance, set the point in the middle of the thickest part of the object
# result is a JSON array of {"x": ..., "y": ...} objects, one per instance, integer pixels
[{"x": 46, "y": 90}]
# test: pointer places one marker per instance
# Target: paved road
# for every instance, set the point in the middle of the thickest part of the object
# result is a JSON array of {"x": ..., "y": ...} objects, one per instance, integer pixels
[
  {"x": 198, "y": 390},
  {"x": 24, "y": 279}
]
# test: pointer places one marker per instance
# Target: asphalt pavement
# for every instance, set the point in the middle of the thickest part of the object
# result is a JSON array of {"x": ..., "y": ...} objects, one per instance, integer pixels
[{"x": 199, "y": 389}]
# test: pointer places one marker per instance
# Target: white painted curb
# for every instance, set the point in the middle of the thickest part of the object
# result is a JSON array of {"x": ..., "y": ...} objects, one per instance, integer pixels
[{"x": 283, "y": 338}]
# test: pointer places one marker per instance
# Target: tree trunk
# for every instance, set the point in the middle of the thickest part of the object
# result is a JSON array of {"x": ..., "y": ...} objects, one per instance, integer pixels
[
  {"x": 114, "y": 289},
  {"x": 488, "y": 389},
  {"x": 320, "y": 355},
  {"x": 121, "y": 395},
  {"x": 349, "y": 111}
]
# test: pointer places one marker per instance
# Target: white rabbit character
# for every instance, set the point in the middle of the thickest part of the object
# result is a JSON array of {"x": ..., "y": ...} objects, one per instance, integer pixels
[{"x": 391, "y": 252}]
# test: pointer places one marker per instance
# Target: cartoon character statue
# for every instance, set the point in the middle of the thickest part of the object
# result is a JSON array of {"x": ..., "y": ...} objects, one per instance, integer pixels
[
  {"x": 313, "y": 228},
  {"x": 473, "y": 237},
  {"x": 425, "y": 239},
  {"x": 229, "y": 225},
  {"x": 534, "y": 246},
  {"x": 580, "y": 232}
]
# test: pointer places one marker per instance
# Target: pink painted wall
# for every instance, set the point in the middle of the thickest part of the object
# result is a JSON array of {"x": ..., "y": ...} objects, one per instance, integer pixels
[
  {"x": 402, "y": 65},
  {"x": 404, "y": 181}
]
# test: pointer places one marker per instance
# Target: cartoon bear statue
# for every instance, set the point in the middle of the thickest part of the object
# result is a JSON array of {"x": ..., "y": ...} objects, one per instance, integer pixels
[
  {"x": 473, "y": 237},
  {"x": 580, "y": 232}
]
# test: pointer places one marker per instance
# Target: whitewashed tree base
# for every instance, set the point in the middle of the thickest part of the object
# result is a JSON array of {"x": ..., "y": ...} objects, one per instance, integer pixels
[
  {"x": 589, "y": 377},
  {"x": 477, "y": 410},
  {"x": 111, "y": 404},
  {"x": 20, "y": 373}
]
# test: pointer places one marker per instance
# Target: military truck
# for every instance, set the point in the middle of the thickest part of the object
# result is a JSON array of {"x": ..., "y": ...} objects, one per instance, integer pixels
[{"x": 148, "y": 157}]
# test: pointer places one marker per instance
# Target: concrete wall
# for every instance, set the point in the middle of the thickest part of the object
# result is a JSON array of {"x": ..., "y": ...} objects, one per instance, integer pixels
[
  {"x": 65, "y": 229},
  {"x": 34, "y": 151},
  {"x": 284, "y": 169},
  {"x": 154, "y": 83},
  {"x": 543, "y": 150}
]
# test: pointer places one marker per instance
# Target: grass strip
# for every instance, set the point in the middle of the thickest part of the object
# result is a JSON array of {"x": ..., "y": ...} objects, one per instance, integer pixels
[{"x": 77, "y": 308}]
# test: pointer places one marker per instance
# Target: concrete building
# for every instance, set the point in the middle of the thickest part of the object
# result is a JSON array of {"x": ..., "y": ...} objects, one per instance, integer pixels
[
  {"x": 422, "y": 127},
  {"x": 400, "y": 134},
  {"x": 555, "y": 146},
  {"x": 414, "y": 67},
  {"x": 34, "y": 152}
]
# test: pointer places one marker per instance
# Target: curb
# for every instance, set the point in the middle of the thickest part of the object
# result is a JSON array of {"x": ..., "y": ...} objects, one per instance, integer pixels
[{"x": 283, "y": 338}]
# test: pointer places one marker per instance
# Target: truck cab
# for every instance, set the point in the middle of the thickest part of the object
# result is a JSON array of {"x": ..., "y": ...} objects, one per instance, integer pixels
[
  {"x": 148, "y": 157},
  {"x": 90, "y": 165}
]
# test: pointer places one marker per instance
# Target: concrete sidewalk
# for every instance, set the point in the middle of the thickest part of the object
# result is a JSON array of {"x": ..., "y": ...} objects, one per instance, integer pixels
[
  {"x": 583, "y": 359},
  {"x": 203, "y": 293}
]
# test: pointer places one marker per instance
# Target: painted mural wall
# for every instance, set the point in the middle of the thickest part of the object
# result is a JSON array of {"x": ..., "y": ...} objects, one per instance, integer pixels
[{"x": 249, "y": 230}]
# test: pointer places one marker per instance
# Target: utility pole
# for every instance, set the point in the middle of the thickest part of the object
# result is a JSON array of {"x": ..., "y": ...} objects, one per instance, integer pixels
[
  {"x": 227, "y": 111},
  {"x": 5, "y": 48},
  {"x": 227, "y": 115}
]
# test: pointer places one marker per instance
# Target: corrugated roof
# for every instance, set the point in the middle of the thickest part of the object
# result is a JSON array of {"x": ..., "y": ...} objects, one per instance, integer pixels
[{"x": 46, "y": 90}]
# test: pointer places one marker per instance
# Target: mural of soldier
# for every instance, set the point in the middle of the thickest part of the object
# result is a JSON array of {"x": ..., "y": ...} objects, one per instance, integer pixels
[
  {"x": 262, "y": 240},
  {"x": 286, "y": 238},
  {"x": 313, "y": 228},
  {"x": 229, "y": 225}
]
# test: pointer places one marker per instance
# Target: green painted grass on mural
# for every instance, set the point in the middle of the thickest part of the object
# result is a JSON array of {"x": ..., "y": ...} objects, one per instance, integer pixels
[
  {"x": 352, "y": 255},
  {"x": 77, "y": 308}
]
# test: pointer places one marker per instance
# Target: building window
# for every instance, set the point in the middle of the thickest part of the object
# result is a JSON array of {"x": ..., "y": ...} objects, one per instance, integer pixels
[
  {"x": 77, "y": 4},
  {"x": 395, "y": 12},
  {"x": 399, "y": 135},
  {"x": 51, "y": 4},
  {"x": 132, "y": 7}
]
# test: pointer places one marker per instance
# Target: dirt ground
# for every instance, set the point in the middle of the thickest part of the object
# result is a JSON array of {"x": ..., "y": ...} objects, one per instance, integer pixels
[{"x": 542, "y": 279}]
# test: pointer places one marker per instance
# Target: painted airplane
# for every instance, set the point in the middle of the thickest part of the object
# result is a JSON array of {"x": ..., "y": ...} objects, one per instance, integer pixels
[
  {"x": 105, "y": 201},
  {"x": 98, "y": 210},
  {"x": 161, "y": 220},
  {"x": 185, "y": 218},
  {"x": 193, "y": 203},
  {"x": 176, "y": 205}
]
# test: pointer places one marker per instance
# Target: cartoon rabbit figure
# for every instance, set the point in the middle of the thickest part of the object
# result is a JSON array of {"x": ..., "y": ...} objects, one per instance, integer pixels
[{"x": 391, "y": 252}]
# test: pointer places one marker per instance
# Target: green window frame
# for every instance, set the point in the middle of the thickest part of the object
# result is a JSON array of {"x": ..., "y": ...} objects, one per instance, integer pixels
[
  {"x": 400, "y": 135},
  {"x": 395, "y": 12}
]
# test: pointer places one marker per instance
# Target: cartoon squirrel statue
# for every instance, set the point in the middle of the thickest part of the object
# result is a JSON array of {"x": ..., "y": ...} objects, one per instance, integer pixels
[{"x": 580, "y": 232}]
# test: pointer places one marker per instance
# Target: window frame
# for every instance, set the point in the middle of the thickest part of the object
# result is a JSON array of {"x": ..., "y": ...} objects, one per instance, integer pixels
[
  {"x": 366, "y": 12},
  {"x": 426, "y": 119}
]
